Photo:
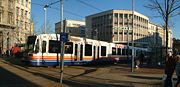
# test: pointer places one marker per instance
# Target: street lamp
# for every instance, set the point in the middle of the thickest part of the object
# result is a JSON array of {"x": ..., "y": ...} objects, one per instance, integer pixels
[{"x": 45, "y": 9}]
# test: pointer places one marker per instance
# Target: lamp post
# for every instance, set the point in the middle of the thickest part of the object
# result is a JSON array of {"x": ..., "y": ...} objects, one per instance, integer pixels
[
  {"x": 132, "y": 62},
  {"x": 128, "y": 38},
  {"x": 45, "y": 11}
]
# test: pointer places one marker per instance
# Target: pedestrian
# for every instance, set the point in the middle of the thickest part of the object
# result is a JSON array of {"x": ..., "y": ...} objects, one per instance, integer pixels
[
  {"x": 8, "y": 52},
  {"x": 169, "y": 69},
  {"x": 141, "y": 59},
  {"x": 137, "y": 62},
  {"x": 15, "y": 51},
  {"x": 177, "y": 57}
]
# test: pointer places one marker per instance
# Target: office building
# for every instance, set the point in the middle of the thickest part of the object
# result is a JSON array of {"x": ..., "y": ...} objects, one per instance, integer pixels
[
  {"x": 73, "y": 27},
  {"x": 7, "y": 24},
  {"x": 116, "y": 26},
  {"x": 22, "y": 20}
]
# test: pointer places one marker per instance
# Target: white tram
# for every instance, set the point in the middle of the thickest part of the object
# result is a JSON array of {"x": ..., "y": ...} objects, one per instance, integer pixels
[{"x": 44, "y": 50}]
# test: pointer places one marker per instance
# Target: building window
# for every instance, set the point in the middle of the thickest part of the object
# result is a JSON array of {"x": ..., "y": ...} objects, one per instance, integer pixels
[
  {"x": 1, "y": 16},
  {"x": 26, "y": 3},
  {"x": 22, "y": 2},
  {"x": 21, "y": 12},
  {"x": 10, "y": 4},
  {"x": 17, "y": 1},
  {"x": 26, "y": 13},
  {"x": 10, "y": 18},
  {"x": 21, "y": 24},
  {"x": 17, "y": 22},
  {"x": 17, "y": 12},
  {"x": 0, "y": 2},
  {"x": 125, "y": 16},
  {"x": 116, "y": 19},
  {"x": 25, "y": 25}
]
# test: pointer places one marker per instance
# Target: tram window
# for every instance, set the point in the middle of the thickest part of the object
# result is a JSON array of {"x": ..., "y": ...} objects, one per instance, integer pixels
[
  {"x": 113, "y": 51},
  {"x": 119, "y": 51},
  {"x": 103, "y": 50},
  {"x": 69, "y": 48},
  {"x": 88, "y": 50},
  {"x": 123, "y": 51},
  {"x": 44, "y": 47},
  {"x": 30, "y": 43},
  {"x": 37, "y": 47},
  {"x": 54, "y": 46},
  {"x": 130, "y": 51}
]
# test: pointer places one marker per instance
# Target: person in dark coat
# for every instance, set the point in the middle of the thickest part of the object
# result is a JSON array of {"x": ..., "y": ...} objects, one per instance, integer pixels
[
  {"x": 177, "y": 57},
  {"x": 169, "y": 69},
  {"x": 141, "y": 59}
]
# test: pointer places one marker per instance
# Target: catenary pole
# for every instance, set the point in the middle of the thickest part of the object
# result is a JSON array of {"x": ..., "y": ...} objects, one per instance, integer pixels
[
  {"x": 133, "y": 50},
  {"x": 62, "y": 43},
  {"x": 128, "y": 38}
]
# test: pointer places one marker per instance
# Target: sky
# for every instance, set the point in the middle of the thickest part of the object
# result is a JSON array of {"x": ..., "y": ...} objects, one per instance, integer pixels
[{"x": 76, "y": 10}]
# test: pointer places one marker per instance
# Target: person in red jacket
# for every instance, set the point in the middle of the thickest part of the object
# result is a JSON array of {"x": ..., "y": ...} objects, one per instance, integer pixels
[{"x": 15, "y": 51}]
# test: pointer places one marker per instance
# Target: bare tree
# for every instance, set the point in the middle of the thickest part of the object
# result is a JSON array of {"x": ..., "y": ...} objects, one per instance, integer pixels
[
  {"x": 32, "y": 21},
  {"x": 48, "y": 28},
  {"x": 166, "y": 10}
]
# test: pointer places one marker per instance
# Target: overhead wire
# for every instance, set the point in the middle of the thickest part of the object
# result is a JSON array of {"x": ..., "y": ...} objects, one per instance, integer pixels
[
  {"x": 54, "y": 2},
  {"x": 66, "y": 11},
  {"x": 89, "y": 5}
]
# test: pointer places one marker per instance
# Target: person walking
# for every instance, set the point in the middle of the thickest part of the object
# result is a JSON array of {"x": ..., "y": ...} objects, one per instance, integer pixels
[
  {"x": 169, "y": 69},
  {"x": 15, "y": 51},
  {"x": 137, "y": 62},
  {"x": 177, "y": 57},
  {"x": 141, "y": 59}
]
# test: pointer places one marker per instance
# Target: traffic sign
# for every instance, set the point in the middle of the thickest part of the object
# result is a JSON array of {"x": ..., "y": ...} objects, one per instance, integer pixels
[{"x": 64, "y": 37}]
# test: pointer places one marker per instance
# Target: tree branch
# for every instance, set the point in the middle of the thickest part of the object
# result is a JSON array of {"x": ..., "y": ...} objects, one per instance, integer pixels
[
  {"x": 174, "y": 9},
  {"x": 160, "y": 10}
]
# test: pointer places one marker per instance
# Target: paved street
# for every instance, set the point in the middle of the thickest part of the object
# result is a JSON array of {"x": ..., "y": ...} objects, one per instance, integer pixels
[{"x": 13, "y": 74}]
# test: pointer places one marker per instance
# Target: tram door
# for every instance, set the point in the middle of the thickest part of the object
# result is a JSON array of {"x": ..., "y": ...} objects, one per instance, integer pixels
[
  {"x": 98, "y": 53},
  {"x": 81, "y": 52},
  {"x": 78, "y": 52},
  {"x": 94, "y": 53}
]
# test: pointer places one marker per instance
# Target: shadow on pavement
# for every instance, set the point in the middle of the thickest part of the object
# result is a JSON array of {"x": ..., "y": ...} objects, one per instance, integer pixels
[
  {"x": 84, "y": 82},
  {"x": 72, "y": 82},
  {"x": 145, "y": 77},
  {"x": 79, "y": 83},
  {"x": 9, "y": 79},
  {"x": 86, "y": 72},
  {"x": 15, "y": 61}
]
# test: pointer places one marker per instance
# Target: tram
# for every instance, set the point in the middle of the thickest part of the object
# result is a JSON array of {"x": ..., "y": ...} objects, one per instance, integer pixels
[{"x": 44, "y": 50}]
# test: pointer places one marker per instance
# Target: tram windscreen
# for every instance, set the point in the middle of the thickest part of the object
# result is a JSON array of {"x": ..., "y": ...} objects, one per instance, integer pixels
[{"x": 30, "y": 43}]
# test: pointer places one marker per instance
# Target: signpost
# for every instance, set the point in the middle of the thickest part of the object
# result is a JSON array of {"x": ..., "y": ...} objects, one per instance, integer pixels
[
  {"x": 64, "y": 37},
  {"x": 62, "y": 43}
]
